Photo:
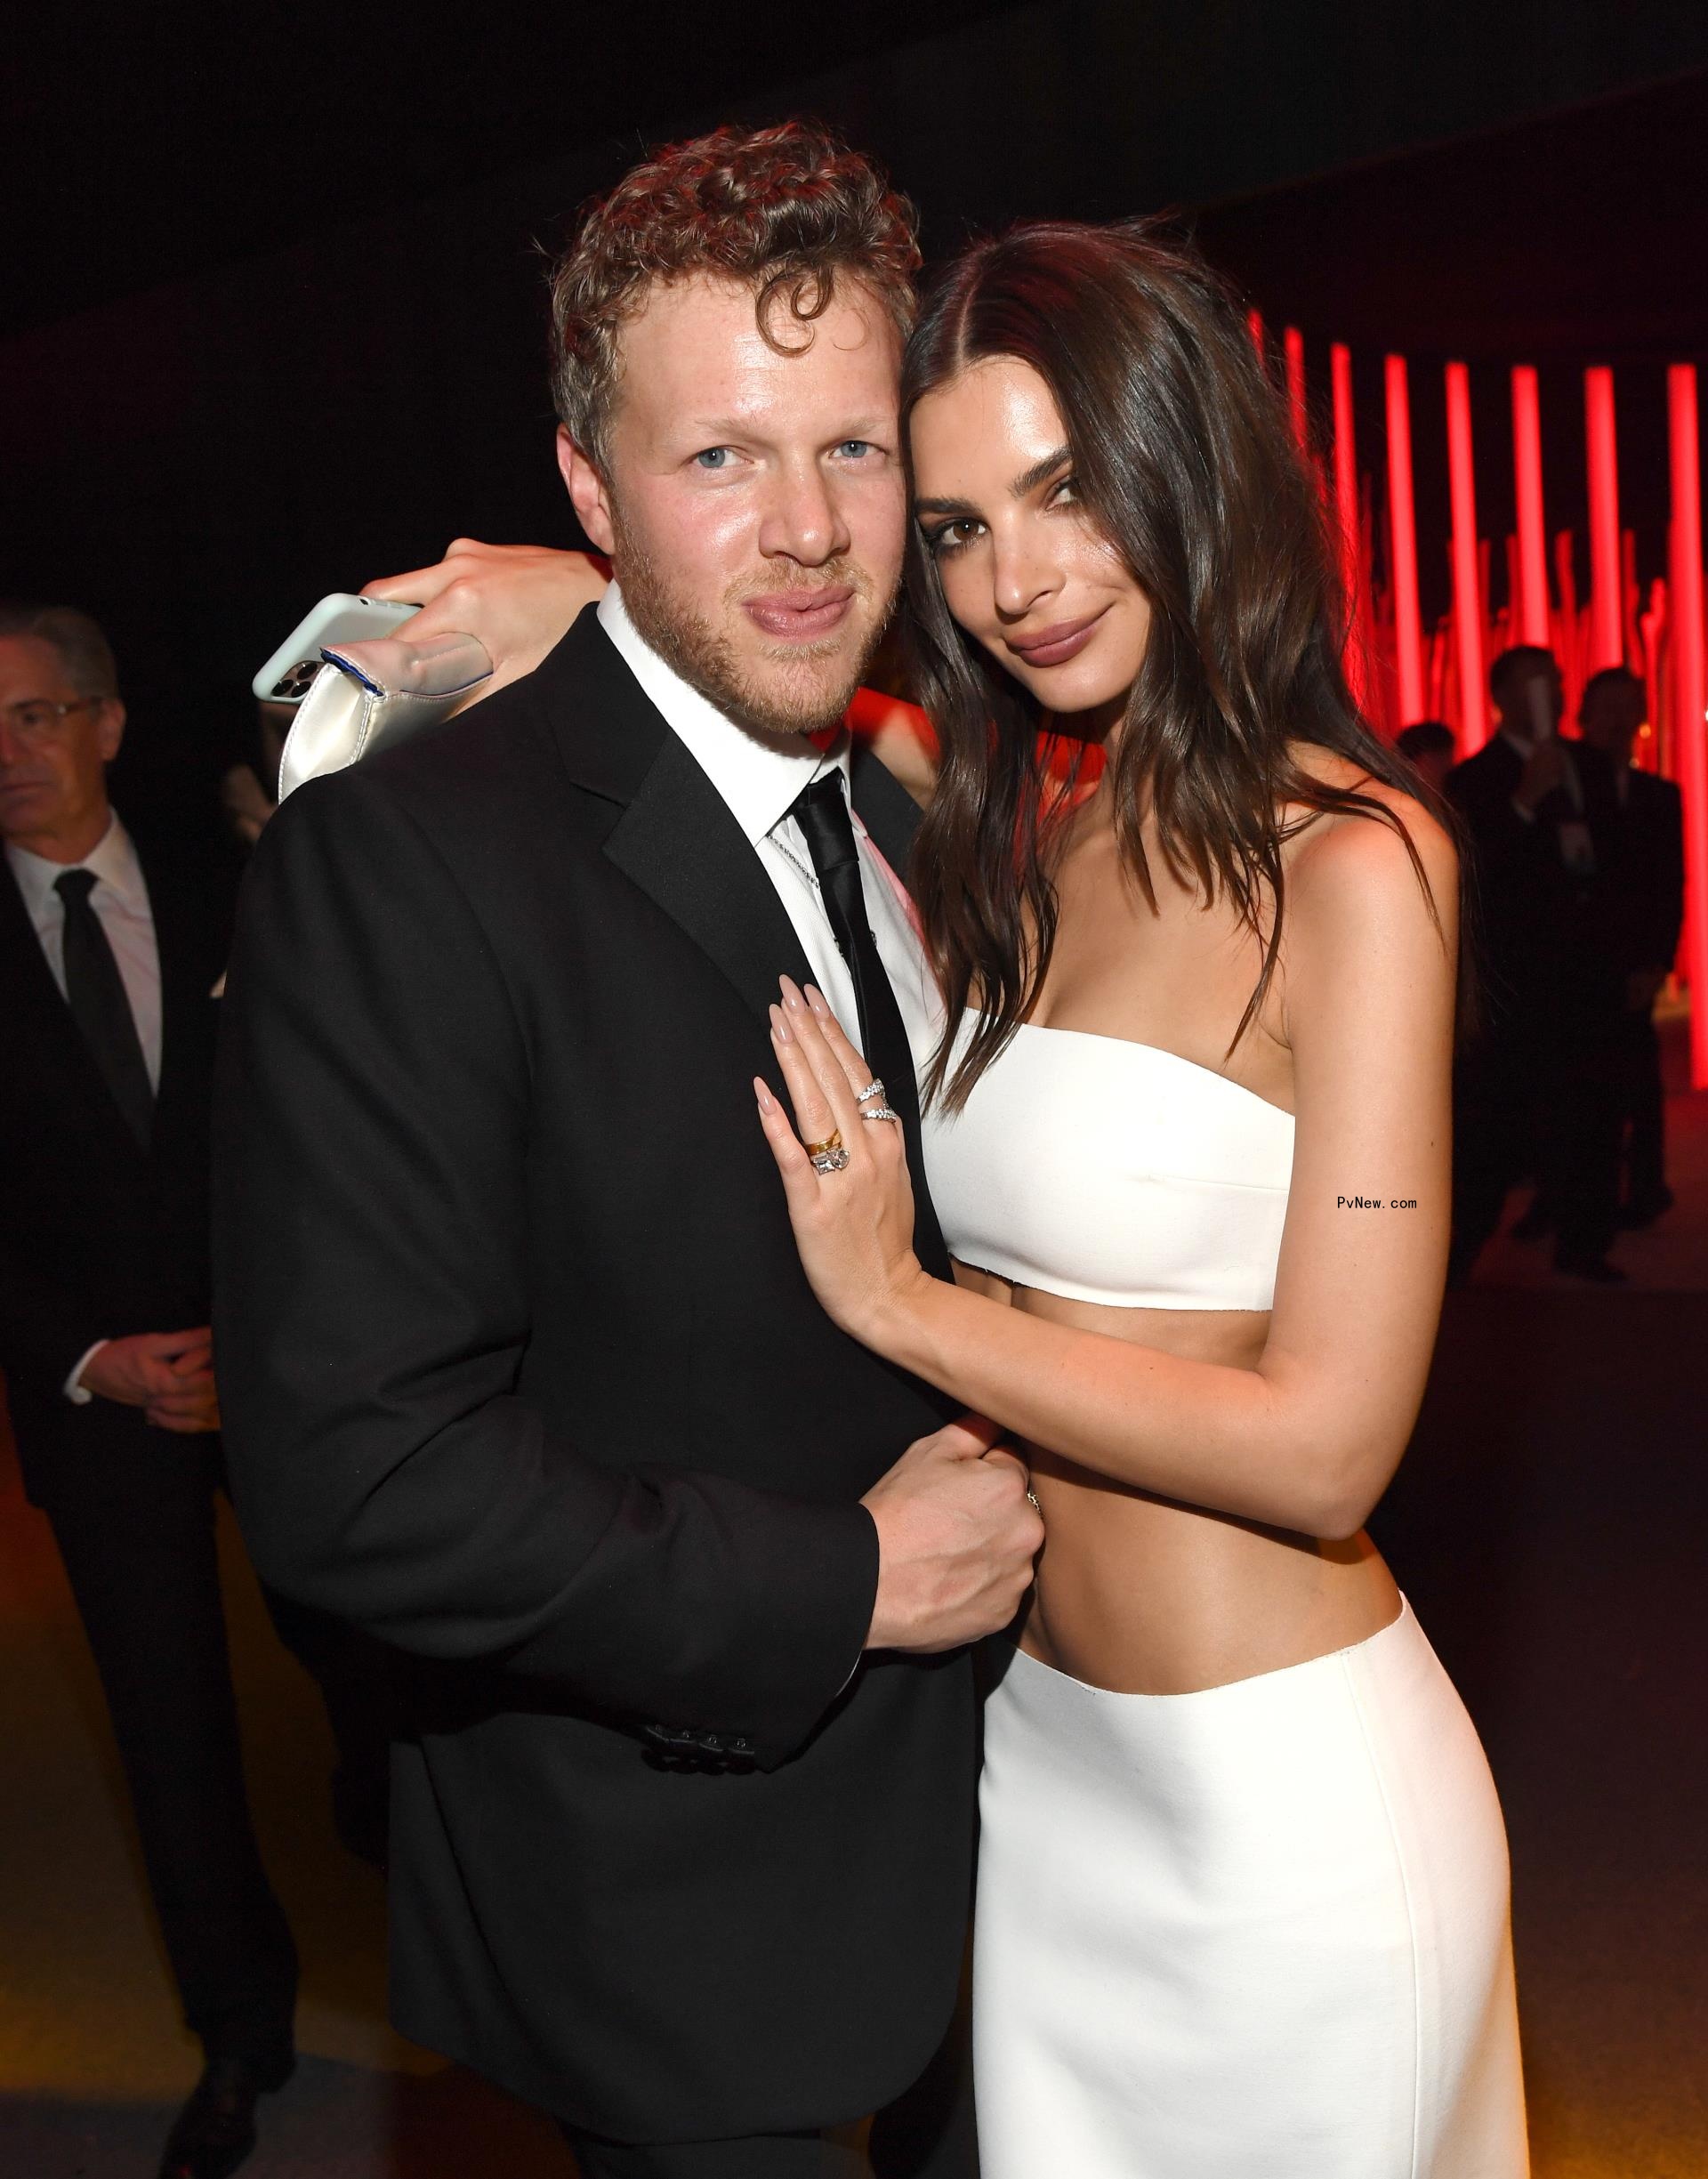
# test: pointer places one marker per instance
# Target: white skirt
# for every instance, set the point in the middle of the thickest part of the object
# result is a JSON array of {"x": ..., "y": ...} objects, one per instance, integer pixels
[{"x": 1258, "y": 1933}]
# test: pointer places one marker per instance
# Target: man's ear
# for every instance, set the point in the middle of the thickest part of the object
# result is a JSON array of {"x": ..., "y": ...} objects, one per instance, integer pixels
[
  {"x": 587, "y": 492},
  {"x": 110, "y": 728}
]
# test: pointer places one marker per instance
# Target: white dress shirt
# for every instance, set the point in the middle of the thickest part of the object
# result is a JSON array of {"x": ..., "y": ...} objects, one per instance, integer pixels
[
  {"x": 760, "y": 784},
  {"x": 120, "y": 897}
]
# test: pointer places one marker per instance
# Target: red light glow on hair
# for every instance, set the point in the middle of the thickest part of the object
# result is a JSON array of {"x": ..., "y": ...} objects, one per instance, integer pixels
[{"x": 1293, "y": 345}]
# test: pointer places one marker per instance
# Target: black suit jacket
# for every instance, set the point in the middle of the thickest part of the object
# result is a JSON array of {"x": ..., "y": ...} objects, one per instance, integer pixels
[
  {"x": 520, "y": 1370},
  {"x": 1547, "y": 936},
  {"x": 1648, "y": 869},
  {"x": 98, "y": 1237}
]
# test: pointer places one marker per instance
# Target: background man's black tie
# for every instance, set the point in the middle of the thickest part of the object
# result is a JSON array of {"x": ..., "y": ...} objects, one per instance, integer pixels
[
  {"x": 96, "y": 992},
  {"x": 821, "y": 811}
]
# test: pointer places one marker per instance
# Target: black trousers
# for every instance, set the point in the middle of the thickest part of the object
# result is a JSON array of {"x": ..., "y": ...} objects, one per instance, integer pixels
[
  {"x": 1540, "y": 1099},
  {"x": 133, "y": 1511},
  {"x": 1642, "y": 1110},
  {"x": 927, "y": 2134}
]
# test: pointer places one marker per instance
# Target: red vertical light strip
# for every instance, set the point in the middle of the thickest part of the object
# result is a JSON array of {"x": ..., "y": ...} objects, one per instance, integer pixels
[
  {"x": 1467, "y": 590},
  {"x": 1346, "y": 506},
  {"x": 1260, "y": 341},
  {"x": 1530, "y": 599},
  {"x": 1606, "y": 621},
  {"x": 1293, "y": 345},
  {"x": 1408, "y": 627},
  {"x": 1690, "y": 687}
]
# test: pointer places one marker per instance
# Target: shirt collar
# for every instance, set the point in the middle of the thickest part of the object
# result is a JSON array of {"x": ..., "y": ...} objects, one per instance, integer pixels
[
  {"x": 112, "y": 860},
  {"x": 758, "y": 783}
]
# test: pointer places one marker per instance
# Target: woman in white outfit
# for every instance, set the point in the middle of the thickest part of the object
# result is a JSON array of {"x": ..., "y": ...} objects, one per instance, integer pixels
[{"x": 1243, "y": 1891}]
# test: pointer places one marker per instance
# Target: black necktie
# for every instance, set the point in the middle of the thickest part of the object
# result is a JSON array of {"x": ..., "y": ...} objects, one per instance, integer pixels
[
  {"x": 94, "y": 991},
  {"x": 821, "y": 811}
]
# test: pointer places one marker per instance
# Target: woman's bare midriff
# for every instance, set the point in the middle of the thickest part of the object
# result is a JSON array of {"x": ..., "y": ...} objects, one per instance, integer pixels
[{"x": 1145, "y": 1596}]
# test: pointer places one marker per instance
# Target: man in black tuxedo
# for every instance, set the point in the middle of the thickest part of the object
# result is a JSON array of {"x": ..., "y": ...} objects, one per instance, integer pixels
[
  {"x": 1647, "y": 871},
  {"x": 109, "y": 957},
  {"x": 519, "y": 1366},
  {"x": 1538, "y": 1092}
]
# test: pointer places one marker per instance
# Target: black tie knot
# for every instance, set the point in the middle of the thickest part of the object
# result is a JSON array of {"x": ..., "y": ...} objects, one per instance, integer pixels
[
  {"x": 821, "y": 811},
  {"x": 74, "y": 887}
]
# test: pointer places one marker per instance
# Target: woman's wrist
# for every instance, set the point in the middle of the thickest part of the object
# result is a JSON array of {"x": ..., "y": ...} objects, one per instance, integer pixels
[{"x": 895, "y": 1324}]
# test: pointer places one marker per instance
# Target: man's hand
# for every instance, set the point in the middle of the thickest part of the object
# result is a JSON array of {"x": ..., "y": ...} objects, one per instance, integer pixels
[
  {"x": 519, "y": 600},
  {"x": 956, "y": 1540},
  {"x": 168, "y": 1374},
  {"x": 1544, "y": 770}
]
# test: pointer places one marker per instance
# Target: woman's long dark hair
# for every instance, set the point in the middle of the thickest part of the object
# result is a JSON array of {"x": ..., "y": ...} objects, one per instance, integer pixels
[{"x": 1184, "y": 462}]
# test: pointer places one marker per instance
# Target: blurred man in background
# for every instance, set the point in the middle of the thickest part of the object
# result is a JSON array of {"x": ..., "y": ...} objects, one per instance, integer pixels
[
  {"x": 1430, "y": 749},
  {"x": 1538, "y": 1089},
  {"x": 1648, "y": 877},
  {"x": 108, "y": 956}
]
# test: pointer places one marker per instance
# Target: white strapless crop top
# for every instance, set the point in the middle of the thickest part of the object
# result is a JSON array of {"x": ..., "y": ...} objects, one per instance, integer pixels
[{"x": 1111, "y": 1172}]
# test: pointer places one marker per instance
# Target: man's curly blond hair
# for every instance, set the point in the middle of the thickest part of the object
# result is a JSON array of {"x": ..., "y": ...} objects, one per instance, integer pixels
[{"x": 785, "y": 209}]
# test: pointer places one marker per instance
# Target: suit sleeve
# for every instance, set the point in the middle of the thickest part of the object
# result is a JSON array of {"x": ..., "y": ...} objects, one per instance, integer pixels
[
  {"x": 1667, "y": 894},
  {"x": 372, "y": 1311},
  {"x": 43, "y": 1331}
]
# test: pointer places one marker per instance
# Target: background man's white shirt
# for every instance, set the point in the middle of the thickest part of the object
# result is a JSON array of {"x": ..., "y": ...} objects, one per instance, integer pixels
[{"x": 120, "y": 899}]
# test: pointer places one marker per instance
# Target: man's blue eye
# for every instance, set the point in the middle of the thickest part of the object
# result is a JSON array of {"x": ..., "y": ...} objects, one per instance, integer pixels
[
  {"x": 713, "y": 458},
  {"x": 856, "y": 446}
]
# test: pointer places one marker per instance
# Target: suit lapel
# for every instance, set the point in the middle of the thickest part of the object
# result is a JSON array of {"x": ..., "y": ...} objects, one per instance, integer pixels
[
  {"x": 886, "y": 809},
  {"x": 678, "y": 842},
  {"x": 676, "y": 838},
  {"x": 53, "y": 1039}
]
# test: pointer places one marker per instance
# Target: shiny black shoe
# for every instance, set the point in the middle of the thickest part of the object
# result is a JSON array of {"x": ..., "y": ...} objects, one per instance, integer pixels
[
  {"x": 215, "y": 2130},
  {"x": 1635, "y": 1216}
]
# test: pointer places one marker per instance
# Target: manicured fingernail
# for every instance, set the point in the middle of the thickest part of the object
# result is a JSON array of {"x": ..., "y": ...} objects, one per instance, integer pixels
[
  {"x": 816, "y": 999},
  {"x": 792, "y": 998},
  {"x": 779, "y": 1027},
  {"x": 766, "y": 1103}
]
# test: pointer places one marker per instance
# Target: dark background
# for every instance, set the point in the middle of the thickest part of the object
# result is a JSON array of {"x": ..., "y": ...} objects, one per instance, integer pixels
[{"x": 272, "y": 317}]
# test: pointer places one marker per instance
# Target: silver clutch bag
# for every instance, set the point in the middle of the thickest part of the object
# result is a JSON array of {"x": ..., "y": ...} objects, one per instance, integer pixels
[{"x": 369, "y": 696}]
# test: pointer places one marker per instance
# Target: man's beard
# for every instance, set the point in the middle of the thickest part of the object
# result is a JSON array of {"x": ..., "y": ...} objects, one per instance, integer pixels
[{"x": 706, "y": 659}]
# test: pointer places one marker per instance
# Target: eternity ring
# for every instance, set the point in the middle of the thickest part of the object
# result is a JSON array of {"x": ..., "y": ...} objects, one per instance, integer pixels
[
  {"x": 881, "y": 1112},
  {"x": 874, "y": 1088},
  {"x": 1032, "y": 1500}
]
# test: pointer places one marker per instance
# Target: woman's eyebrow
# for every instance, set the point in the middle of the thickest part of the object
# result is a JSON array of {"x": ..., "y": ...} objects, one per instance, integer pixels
[{"x": 1028, "y": 481}]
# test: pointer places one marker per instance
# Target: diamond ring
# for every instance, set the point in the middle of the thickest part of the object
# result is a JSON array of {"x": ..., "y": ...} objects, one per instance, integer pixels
[
  {"x": 881, "y": 1112},
  {"x": 874, "y": 1088}
]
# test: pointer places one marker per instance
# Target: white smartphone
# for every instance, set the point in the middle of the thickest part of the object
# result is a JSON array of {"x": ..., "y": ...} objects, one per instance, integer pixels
[{"x": 341, "y": 618}]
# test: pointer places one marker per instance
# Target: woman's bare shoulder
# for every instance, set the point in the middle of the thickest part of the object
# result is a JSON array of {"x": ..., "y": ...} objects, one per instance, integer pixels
[
  {"x": 1354, "y": 848},
  {"x": 1354, "y": 874}
]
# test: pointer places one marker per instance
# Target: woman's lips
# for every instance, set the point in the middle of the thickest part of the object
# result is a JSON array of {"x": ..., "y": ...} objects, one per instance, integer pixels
[
  {"x": 1055, "y": 646},
  {"x": 801, "y": 616}
]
